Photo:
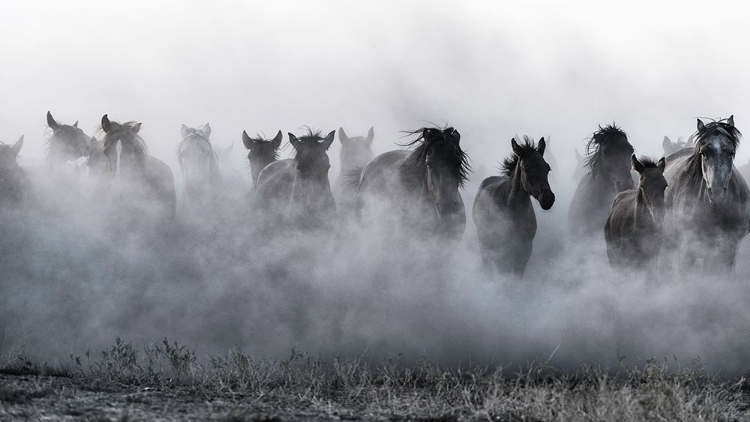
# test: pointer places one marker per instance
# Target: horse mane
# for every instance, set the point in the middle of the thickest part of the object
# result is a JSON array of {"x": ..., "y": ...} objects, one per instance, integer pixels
[
  {"x": 138, "y": 141},
  {"x": 510, "y": 162},
  {"x": 720, "y": 126},
  {"x": 604, "y": 135},
  {"x": 648, "y": 162},
  {"x": 414, "y": 168}
]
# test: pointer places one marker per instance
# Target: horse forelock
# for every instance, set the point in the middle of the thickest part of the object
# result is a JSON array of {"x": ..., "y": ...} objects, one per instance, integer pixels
[
  {"x": 717, "y": 127},
  {"x": 415, "y": 166},
  {"x": 510, "y": 162}
]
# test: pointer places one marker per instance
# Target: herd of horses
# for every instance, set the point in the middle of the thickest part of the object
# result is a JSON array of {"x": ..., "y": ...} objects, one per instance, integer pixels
[{"x": 692, "y": 204}]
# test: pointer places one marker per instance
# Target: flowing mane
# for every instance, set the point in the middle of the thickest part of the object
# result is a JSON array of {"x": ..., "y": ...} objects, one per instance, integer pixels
[
  {"x": 509, "y": 163},
  {"x": 609, "y": 135},
  {"x": 414, "y": 168}
]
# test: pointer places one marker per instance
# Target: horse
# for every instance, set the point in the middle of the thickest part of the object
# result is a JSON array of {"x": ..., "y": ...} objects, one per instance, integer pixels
[
  {"x": 421, "y": 185},
  {"x": 356, "y": 151},
  {"x": 138, "y": 181},
  {"x": 708, "y": 201},
  {"x": 261, "y": 152},
  {"x": 13, "y": 181},
  {"x": 672, "y": 147},
  {"x": 503, "y": 212},
  {"x": 608, "y": 163},
  {"x": 633, "y": 230},
  {"x": 199, "y": 165},
  {"x": 296, "y": 191},
  {"x": 67, "y": 143}
]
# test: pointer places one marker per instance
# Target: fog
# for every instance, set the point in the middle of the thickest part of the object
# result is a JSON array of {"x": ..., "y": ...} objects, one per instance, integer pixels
[{"x": 492, "y": 70}]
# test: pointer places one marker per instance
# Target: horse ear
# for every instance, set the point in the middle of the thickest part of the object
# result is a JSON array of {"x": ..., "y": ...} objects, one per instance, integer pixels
[
  {"x": 184, "y": 131},
  {"x": 75, "y": 124},
  {"x": 293, "y": 140},
  {"x": 662, "y": 164},
  {"x": 106, "y": 124},
  {"x": 342, "y": 136},
  {"x": 637, "y": 165},
  {"x": 666, "y": 143},
  {"x": 206, "y": 130},
  {"x": 276, "y": 141},
  {"x": 541, "y": 147},
  {"x": 456, "y": 136},
  {"x": 137, "y": 127},
  {"x": 370, "y": 136},
  {"x": 516, "y": 148},
  {"x": 245, "y": 140},
  {"x": 329, "y": 139},
  {"x": 51, "y": 121},
  {"x": 701, "y": 126},
  {"x": 730, "y": 120},
  {"x": 17, "y": 146}
]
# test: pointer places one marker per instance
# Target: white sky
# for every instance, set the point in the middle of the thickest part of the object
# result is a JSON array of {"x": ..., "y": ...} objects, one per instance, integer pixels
[{"x": 492, "y": 69}]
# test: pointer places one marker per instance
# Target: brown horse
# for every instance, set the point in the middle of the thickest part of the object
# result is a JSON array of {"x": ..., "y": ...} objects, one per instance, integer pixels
[
  {"x": 634, "y": 226},
  {"x": 67, "y": 143}
]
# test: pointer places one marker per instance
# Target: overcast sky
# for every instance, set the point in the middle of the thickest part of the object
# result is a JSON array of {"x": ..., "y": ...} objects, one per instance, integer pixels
[{"x": 491, "y": 69}]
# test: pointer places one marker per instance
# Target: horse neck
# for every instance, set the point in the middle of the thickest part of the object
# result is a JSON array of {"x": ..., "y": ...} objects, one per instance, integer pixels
[
  {"x": 643, "y": 216},
  {"x": 517, "y": 195}
]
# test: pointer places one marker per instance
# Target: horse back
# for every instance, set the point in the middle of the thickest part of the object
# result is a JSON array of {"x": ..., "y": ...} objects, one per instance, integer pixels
[{"x": 382, "y": 171}]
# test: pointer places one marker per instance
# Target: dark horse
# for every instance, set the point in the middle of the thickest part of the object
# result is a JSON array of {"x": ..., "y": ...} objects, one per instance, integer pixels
[
  {"x": 503, "y": 214},
  {"x": 261, "y": 152},
  {"x": 634, "y": 227},
  {"x": 296, "y": 191},
  {"x": 608, "y": 162},
  {"x": 708, "y": 201},
  {"x": 138, "y": 181},
  {"x": 67, "y": 143},
  {"x": 421, "y": 186},
  {"x": 13, "y": 182}
]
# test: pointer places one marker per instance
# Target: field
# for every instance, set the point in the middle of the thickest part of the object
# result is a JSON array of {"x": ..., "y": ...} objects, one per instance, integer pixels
[{"x": 168, "y": 382}]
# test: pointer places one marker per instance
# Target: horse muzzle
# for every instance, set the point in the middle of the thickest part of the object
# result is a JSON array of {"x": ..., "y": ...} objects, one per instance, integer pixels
[
  {"x": 718, "y": 196},
  {"x": 546, "y": 200}
]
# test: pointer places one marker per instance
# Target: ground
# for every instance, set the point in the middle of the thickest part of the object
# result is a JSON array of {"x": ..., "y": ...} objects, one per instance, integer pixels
[{"x": 168, "y": 383}]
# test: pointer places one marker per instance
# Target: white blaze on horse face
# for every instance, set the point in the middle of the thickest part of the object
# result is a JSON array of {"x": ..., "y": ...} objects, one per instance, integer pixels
[
  {"x": 118, "y": 150},
  {"x": 716, "y": 163}
]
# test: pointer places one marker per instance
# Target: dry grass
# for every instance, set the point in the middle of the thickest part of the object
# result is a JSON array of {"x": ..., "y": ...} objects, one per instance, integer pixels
[{"x": 302, "y": 387}]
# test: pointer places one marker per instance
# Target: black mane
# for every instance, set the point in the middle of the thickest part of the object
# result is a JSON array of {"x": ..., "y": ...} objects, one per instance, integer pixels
[
  {"x": 605, "y": 135},
  {"x": 414, "y": 168},
  {"x": 509, "y": 163},
  {"x": 722, "y": 127}
]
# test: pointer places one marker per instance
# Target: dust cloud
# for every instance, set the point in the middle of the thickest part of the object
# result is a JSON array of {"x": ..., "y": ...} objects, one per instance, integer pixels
[{"x": 72, "y": 278}]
